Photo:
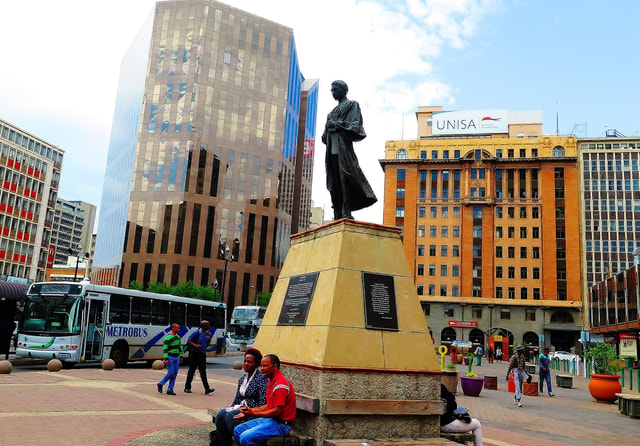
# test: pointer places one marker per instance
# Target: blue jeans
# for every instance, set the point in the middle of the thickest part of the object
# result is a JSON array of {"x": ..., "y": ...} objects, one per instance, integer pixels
[
  {"x": 545, "y": 376},
  {"x": 518, "y": 378},
  {"x": 225, "y": 425},
  {"x": 172, "y": 372},
  {"x": 259, "y": 430}
]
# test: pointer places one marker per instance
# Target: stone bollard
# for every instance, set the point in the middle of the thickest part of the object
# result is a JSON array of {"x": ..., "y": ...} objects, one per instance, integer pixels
[
  {"x": 55, "y": 365},
  {"x": 157, "y": 365},
  {"x": 5, "y": 367},
  {"x": 237, "y": 365},
  {"x": 108, "y": 364}
]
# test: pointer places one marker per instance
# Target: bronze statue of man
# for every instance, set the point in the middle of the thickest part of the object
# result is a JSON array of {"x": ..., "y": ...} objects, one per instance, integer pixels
[{"x": 349, "y": 189}]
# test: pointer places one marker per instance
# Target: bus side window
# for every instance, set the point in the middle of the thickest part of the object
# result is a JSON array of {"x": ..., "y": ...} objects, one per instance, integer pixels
[
  {"x": 160, "y": 312},
  {"x": 215, "y": 316},
  {"x": 140, "y": 311},
  {"x": 119, "y": 309},
  {"x": 193, "y": 315},
  {"x": 261, "y": 313},
  {"x": 178, "y": 313}
]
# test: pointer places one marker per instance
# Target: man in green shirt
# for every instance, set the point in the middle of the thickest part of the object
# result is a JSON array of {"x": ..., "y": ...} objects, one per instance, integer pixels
[{"x": 172, "y": 359}]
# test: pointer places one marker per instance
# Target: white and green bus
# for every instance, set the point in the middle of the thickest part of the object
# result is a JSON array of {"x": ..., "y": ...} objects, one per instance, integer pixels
[
  {"x": 81, "y": 322},
  {"x": 244, "y": 325}
]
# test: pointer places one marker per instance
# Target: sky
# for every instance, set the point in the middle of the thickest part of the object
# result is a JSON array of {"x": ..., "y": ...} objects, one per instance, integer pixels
[{"x": 575, "y": 60}]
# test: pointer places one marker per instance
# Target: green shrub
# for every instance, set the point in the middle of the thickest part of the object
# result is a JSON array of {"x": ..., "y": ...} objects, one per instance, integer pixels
[{"x": 603, "y": 359}]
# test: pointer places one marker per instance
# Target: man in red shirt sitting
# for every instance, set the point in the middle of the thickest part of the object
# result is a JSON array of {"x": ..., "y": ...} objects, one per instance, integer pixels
[{"x": 273, "y": 419}]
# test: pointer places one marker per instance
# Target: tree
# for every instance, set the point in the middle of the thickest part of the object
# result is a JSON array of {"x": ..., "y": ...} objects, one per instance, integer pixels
[
  {"x": 264, "y": 298},
  {"x": 135, "y": 285}
]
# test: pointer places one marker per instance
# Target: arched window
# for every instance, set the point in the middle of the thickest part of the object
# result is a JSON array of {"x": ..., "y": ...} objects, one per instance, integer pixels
[
  {"x": 476, "y": 336},
  {"x": 402, "y": 154},
  {"x": 558, "y": 151},
  {"x": 447, "y": 335}
]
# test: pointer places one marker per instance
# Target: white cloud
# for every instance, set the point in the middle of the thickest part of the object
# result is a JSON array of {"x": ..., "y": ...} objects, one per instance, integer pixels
[{"x": 67, "y": 58}]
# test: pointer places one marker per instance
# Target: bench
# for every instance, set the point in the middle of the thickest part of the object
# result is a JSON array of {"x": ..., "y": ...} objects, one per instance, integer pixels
[
  {"x": 629, "y": 404},
  {"x": 466, "y": 438},
  {"x": 565, "y": 381}
]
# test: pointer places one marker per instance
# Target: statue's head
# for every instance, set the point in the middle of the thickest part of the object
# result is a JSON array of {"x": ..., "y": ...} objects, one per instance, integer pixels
[{"x": 339, "y": 89}]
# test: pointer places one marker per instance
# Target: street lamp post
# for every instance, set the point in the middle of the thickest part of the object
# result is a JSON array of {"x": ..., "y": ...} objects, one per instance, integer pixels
[
  {"x": 228, "y": 257},
  {"x": 86, "y": 255}
]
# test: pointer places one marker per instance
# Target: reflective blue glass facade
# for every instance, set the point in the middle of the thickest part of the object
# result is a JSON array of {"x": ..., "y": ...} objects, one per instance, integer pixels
[{"x": 224, "y": 116}]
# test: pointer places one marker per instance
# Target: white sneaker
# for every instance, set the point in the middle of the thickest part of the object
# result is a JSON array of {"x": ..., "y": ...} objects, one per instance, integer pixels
[
  {"x": 519, "y": 404},
  {"x": 551, "y": 394}
]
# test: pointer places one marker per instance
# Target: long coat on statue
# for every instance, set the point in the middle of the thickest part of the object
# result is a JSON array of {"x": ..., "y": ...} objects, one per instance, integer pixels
[{"x": 349, "y": 129}]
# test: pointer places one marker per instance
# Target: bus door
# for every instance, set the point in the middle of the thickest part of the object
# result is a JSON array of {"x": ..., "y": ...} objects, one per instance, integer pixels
[{"x": 94, "y": 328}]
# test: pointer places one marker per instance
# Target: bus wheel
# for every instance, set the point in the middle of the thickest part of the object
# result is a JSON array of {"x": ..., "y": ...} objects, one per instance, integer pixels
[{"x": 119, "y": 354}]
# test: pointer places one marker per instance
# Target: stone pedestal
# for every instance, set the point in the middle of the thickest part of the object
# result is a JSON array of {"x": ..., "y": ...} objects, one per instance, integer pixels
[{"x": 346, "y": 322}]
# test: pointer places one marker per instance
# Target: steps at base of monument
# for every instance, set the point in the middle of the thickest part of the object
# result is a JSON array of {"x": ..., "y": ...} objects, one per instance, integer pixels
[
  {"x": 461, "y": 438},
  {"x": 438, "y": 441},
  {"x": 290, "y": 440}
]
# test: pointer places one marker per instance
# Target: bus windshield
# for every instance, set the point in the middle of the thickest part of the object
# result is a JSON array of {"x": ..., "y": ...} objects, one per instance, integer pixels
[
  {"x": 245, "y": 313},
  {"x": 50, "y": 314}
]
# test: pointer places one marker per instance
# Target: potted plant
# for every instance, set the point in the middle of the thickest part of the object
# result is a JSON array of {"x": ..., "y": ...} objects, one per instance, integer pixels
[
  {"x": 604, "y": 383},
  {"x": 471, "y": 383},
  {"x": 450, "y": 378}
]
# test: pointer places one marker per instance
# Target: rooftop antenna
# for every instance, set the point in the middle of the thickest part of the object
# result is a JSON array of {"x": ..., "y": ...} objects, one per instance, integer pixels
[
  {"x": 402, "y": 132},
  {"x": 557, "y": 120}
]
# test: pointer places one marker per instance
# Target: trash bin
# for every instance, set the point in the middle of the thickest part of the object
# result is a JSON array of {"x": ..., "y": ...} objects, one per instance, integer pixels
[{"x": 221, "y": 346}]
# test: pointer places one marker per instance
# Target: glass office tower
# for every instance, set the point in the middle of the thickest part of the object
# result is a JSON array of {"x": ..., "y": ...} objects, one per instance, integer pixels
[{"x": 207, "y": 164}]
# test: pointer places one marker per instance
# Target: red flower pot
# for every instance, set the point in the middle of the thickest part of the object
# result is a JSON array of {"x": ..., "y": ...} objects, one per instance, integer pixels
[{"x": 604, "y": 387}]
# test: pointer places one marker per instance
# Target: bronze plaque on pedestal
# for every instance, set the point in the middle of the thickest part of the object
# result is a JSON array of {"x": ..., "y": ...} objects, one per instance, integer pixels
[
  {"x": 379, "y": 302},
  {"x": 297, "y": 301}
]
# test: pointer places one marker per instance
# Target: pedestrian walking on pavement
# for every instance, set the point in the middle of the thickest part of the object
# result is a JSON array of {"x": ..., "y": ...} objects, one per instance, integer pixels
[
  {"x": 172, "y": 359},
  {"x": 197, "y": 347},
  {"x": 490, "y": 355},
  {"x": 545, "y": 371},
  {"x": 499, "y": 354},
  {"x": 478, "y": 353},
  {"x": 517, "y": 364}
]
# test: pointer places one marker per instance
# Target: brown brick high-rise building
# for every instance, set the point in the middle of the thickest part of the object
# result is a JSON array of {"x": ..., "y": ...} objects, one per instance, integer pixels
[{"x": 489, "y": 209}]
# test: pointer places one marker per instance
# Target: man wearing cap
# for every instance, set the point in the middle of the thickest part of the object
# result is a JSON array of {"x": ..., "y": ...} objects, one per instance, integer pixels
[
  {"x": 545, "y": 372},
  {"x": 516, "y": 363}
]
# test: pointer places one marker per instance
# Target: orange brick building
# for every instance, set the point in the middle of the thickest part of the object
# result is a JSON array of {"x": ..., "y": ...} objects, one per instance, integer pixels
[{"x": 489, "y": 209}]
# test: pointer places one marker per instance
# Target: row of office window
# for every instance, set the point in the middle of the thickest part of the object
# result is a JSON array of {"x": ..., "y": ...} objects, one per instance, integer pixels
[
  {"x": 511, "y": 230},
  {"x": 511, "y": 252},
  {"x": 28, "y": 143},
  {"x": 522, "y": 212},
  {"x": 446, "y": 153},
  {"x": 431, "y": 290},
  {"x": 610, "y": 165},
  {"x": 612, "y": 205},
  {"x": 611, "y": 245},
  {"x": 610, "y": 225},
  {"x": 476, "y": 312},
  {"x": 444, "y": 270},
  {"x": 444, "y": 250},
  {"x": 600, "y": 146},
  {"x": 511, "y": 272},
  {"x": 444, "y": 231},
  {"x": 603, "y": 267},
  {"x": 611, "y": 185}
]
